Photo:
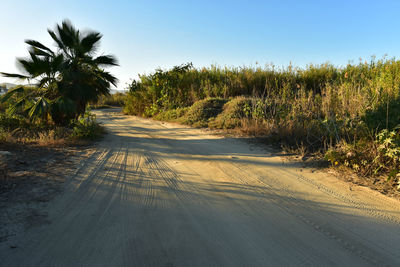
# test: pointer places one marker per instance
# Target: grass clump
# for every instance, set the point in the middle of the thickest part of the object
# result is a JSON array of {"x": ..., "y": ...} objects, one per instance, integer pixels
[
  {"x": 172, "y": 114},
  {"x": 233, "y": 114},
  {"x": 202, "y": 111}
]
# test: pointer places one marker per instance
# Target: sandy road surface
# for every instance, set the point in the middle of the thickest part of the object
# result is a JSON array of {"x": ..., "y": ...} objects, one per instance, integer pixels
[{"x": 157, "y": 194}]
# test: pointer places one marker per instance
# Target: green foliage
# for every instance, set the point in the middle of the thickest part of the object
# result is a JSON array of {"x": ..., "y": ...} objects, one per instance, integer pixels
[
  {"x": 66, "y": 79},
  {"x": 112, "y": 100},
  {"x": 381, "y": 155},
  {"x": 151, "y": 110},
  {"x": 18, "y": 128},
  {"x": 234, "y": 111},
  {"x": 3, "y": 107},
  {"x": 354, "y": 156},
  {"x": 86, "y": 127},
  {"x": 323, "y": 90},
  {"x": 385, "y": 116},
  {"x": 388, "y": 156},
  {"x": 134, "y": 104},
  {"x": 202, "y": 111},
  {"x": 172, "y": 114},
  {"x": 10, "y": 123},
  {"x": 323, "y": 108},
  {"x": 183, "y": 85}
]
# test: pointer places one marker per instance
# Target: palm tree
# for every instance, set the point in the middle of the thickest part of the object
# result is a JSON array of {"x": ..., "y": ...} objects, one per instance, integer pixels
[{"x": 67, "y": 79}]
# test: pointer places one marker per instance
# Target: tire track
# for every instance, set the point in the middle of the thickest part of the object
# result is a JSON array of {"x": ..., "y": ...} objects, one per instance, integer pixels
[
  {"x": 151, "y": 195},
  {"x": 292, "y": 206}
]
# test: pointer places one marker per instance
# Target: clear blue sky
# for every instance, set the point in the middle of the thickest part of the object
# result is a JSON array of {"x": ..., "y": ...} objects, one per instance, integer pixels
[{"x": 148, "y": 34}]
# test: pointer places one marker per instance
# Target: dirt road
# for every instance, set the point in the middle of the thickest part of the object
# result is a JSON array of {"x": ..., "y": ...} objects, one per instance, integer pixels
[{"x": 158, "y": 194}]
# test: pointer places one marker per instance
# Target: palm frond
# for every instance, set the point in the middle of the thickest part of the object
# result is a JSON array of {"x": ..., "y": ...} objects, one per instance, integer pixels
[
  {"x": 11, "y": 92},
  {"x": 89, "y": 43},
  {"x": 18, "y": 104},
  {"x": 67, "y": 34},
  {"x": 14, "y": 75},
  {"x": 39, "y": 52},
  {"x": 107, "y": 77},
  {"x": 39, "y": 45},
  {"x": 107, "y": 60},
  {"x": 56, "y": 39},
  {"x": 34, "y": 66},
  {"x": 57, "y": 62},
  {"x": 40, "y": 108},
  {"x": 65, "y": 104},
  {"x": 45, "y": 80}
]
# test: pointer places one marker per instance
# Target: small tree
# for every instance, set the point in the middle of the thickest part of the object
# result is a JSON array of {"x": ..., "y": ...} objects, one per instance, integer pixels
[{"x": 67, "y": 79}]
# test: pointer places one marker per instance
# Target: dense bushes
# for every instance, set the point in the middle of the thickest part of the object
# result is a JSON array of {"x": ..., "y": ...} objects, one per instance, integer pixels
[
  {"x": 112, "y": 100},
  {"x": 16, "y": 128},
  {"x": 342, "y": 111},
  {"x": 323, "y": 91},
  {"x": 86, "y": 127},
  {"x": 202, "y": 111}
]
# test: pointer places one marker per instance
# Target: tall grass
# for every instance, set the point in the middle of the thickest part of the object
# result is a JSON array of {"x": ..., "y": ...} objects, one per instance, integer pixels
[
  {"x": 107, "y": 101},
  {"x": 340, "y": 92},
  {"x": 320, "y": 107}
]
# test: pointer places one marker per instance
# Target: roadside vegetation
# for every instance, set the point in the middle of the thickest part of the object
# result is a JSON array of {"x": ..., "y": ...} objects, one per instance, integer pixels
[
  {"x": 108, "y": 101},
  {"x": 349, "y": 115},
  {"x": 63, "y": 82}
]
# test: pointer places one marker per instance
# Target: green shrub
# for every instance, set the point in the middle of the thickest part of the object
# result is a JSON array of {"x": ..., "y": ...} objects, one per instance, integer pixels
[
  {"x": 358, "y": 156},
  {"x": 112, "y": 100},
  {"x": 86, "y": 127},
  {"x": 135, "y": 104},
  {"x": 202, "y": 111},
  {"x": 385, "y": 116},
  {"x": 171, "y": 115},
  {"x": 14, "y": 127},
  {"x": 388, "y": 152},
  {"x": 11, "y": 122},
  {"x": 234, "y": 111},
  {"x": 365, "y": 157}
]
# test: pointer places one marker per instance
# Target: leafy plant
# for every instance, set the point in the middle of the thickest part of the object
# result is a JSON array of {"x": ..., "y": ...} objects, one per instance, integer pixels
[
  {"x": 66, "y": 79},
  {"x": 86, "y": 127},
  {"x": 388, "y": 156}
]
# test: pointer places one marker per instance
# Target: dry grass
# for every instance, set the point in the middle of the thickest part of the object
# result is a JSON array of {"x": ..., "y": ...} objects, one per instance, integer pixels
[{"x": 311, "y": 110}]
